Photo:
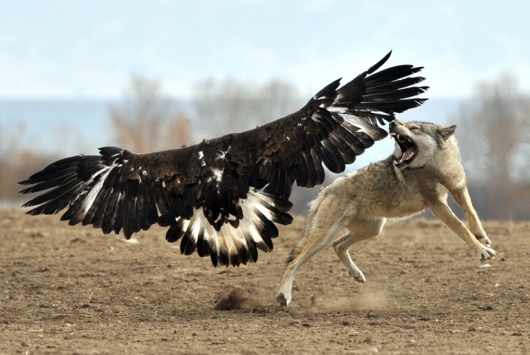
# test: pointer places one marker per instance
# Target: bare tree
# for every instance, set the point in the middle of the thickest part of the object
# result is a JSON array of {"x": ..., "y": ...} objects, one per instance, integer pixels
[
  {"x": 494, "y": 133},
  {"x": 9, "y": 150},
  {"x": 17, "y": 162},
  {"x": 236, "y": 106},
  {"x": 147, "y": 120}
]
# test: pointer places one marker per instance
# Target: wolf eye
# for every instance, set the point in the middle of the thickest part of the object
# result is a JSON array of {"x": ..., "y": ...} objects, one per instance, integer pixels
[{"x": 415, "y": 128}]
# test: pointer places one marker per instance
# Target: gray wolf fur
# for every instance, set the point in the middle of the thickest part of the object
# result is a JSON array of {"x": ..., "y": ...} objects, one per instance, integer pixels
[{"x": 425, "y": 166}]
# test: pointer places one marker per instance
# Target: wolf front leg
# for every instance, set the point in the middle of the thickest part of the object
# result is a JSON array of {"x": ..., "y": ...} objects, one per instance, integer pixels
[
  {"x": 461, "y": 196},
  {"x": 444, "y": 213}
]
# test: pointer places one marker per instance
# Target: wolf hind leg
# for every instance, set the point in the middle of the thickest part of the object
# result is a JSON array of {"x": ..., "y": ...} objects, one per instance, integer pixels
[
  {"x": 358, "y": 230},
  {"x": 324, "y": 225}
]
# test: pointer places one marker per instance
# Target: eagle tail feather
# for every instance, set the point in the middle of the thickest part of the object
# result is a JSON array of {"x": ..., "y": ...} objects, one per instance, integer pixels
[{"x": 232, "y": 245}]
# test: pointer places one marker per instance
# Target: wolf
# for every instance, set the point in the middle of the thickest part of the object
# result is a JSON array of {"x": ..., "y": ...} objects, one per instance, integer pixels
[{"x": 423, "y": 169}]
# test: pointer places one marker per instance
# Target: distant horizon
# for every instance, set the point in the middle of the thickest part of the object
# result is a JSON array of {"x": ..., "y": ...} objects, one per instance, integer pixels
[
  {"x": 176, "y": 98},
  {"x": 84, "y": 125}
]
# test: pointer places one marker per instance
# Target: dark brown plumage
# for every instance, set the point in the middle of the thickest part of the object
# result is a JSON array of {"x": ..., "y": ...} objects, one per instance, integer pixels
[{"x": 221, "y": 197}]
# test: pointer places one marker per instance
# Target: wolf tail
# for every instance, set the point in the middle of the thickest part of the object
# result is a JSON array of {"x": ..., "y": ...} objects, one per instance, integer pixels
[
  {"x": 298, "y": 248},
  {"x": 313, "y": 210}
]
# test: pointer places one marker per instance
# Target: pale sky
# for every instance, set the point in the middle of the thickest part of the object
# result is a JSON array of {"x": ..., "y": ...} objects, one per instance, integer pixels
[{"x": 88, "y": 49}]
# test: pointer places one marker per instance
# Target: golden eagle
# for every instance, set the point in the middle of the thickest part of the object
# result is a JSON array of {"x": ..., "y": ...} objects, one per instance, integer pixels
[{"x": 223, "y": 196}]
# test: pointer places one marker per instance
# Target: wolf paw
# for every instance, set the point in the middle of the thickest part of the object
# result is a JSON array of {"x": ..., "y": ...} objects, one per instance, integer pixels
[
  {"x": 282, "y": 299},
  {"x": 487, "y": 254},
  {"x": 357, "y": 276},
  {"x": 484, "y": 240}
]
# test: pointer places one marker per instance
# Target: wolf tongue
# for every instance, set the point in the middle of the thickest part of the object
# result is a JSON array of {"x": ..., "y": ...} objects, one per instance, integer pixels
[{"x": 408, "y": 154}]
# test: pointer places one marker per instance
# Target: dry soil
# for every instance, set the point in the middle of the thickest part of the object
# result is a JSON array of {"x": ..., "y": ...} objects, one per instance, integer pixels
[{"x": 73, "y": 290}]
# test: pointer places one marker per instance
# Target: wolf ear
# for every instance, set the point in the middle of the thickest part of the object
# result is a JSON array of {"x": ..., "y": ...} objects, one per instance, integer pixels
[{"x": 446, "y": 132}]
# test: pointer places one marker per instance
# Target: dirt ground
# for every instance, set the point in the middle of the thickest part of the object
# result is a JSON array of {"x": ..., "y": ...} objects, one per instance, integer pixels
[{"x": 67, "y": 290}]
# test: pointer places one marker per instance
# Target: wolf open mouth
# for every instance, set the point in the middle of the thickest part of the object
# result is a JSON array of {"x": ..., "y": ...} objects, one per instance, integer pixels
[{"x": 408, "y": 149}]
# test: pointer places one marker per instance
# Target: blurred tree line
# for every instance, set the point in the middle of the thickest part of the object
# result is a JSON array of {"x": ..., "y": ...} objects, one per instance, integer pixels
[
  {"x": 493, "y": 131},
  {"x": 147, "y": 121},
  {"x": 494, "y": 136},
  {"x": 17, "y": 162}
]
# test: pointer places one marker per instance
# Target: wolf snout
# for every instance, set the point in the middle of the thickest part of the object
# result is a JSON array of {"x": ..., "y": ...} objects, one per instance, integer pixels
[{"x": 394, "y": 123}]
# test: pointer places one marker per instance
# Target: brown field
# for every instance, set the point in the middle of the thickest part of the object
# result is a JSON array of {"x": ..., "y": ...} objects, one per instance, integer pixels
[{"x": 67, "y": 290}]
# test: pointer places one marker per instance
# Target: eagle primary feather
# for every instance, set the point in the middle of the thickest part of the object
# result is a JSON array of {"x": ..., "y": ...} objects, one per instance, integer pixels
[{"x": 222, "y": 197}]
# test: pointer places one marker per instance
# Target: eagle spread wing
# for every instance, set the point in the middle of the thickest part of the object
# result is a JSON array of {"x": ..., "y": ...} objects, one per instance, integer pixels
[{"x": 223, "y": 196}]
